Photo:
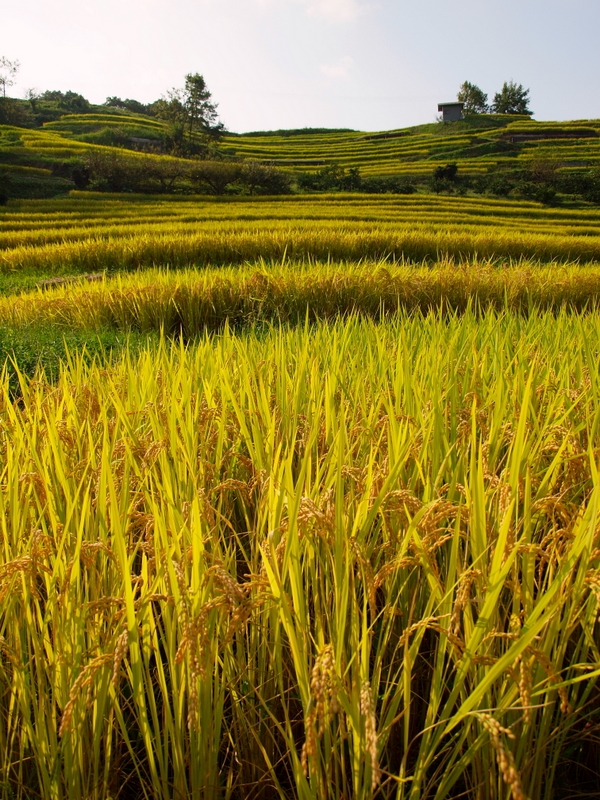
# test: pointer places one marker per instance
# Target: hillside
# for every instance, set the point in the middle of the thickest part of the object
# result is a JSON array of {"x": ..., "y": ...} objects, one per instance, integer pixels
[
  {"x": 41, "y": 161},
  {"x": 476, "y": 145}
]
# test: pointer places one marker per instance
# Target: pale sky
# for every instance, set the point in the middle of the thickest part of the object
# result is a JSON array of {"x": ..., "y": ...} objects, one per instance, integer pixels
[{"x": 363, "y": 64}]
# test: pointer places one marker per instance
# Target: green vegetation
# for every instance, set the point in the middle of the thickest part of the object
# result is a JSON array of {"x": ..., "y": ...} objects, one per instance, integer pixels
[
  {"x": 40, "y": 345},
  {"x": 512, "y": 99},
  {"x": 475, "y": 100},
  {"x": 189, "y": 302}
]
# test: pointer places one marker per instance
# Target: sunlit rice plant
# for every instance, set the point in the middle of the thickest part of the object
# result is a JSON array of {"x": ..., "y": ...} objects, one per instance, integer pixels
[
  {"x": 348, "y": 560},
  {"x": 189, "y": 302},
  {"x": 91, "y": 233}
]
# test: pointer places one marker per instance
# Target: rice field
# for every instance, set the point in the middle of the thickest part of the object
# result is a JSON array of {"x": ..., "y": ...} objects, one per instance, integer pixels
[
  {"x": 87, "y": 232},
  {"x": 476, "y": 145},
  {"x": 189, "y": 302},
  {"x": 332, "y": 532}
]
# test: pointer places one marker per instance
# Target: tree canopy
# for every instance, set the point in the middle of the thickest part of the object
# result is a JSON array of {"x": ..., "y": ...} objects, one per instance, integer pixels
[
  {"x": 129, "y": 104},
  {"x": 73, "y": 102},
  {"x": 474, "y": 98},
  {"x": 512, "y": 99},
  {"x": 190, "y": 114},
  {"x": 8, "y": 71}
]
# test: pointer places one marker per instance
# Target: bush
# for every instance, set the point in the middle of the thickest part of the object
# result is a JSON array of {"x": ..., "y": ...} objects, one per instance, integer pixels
[
  {"x": 69, "y": 102},
  {"x": 264, "y": 179},
  {"x": 445, "y": 179},
  {"x": 388, "y": 185},
  {"x": 75, "y": 170},
  {"x": 15, "y": 112},
  {"x": 498, "y": 182},
  {"x": 113, "y": 172},
  {"x": 540, "y": 192},
  {"x": 447, "y": 173},
  {"x": 131, "y": 105},
  {"x": 333, "y": 177}
]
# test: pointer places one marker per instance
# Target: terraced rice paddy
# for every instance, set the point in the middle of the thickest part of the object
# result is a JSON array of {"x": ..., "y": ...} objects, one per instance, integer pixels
[
  {"x": 475, "y": 146},
  {"x": 90, "y": 233},
  {"x": 333, "y": 532}
]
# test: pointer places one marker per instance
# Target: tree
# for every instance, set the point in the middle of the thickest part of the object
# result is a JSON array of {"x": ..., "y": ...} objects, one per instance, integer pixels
[
  {"x": 264, "y": 179},
  {"x": 72, "y": 102},
  {"x": 513, "y": 99},
  {"x": 445, "y": 178},
  {"x": 215, "y": 177},
  {"x": 8, "y": 70},
  {"x": 201, "y": 113},
  {"x": 190, "y": 115},
  {"x": 32, "y": 96},
  {"x": 474, "y": 98},
  {"x": 130, "y": 105}
]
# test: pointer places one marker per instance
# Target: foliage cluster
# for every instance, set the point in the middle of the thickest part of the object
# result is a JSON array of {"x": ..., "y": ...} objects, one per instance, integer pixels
[
  {"x": 540, "y": 180},
  {"x": 115, "y": 172},
  {"x": 148, "y": 109},
  {"x": 335, "y": 178},
  {"x": 513, "y": 98}
]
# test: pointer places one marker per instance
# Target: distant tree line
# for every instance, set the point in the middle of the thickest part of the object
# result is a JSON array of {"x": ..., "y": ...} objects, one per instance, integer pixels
[
  {"x": 190, "y": 117},
  {"x": 111, "y": 171},
  {"x": 540, "y": 180}
]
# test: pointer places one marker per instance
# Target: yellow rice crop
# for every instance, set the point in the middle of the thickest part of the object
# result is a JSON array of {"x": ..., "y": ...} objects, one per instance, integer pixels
[
  {"x": 348, "y": 561},
  {"x": 91, "y": 233},
  {"x": 192, "y": 301}
]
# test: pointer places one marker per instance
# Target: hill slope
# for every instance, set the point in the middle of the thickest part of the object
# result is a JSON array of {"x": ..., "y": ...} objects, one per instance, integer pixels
[{"x": 477, "y": 145}]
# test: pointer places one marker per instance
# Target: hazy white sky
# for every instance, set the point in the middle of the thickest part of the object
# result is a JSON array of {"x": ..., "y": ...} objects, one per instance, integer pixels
[{"x": 364, "y": 64}]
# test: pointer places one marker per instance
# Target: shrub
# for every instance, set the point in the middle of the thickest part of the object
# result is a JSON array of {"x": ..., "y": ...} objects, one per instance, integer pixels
[
  {"x": 264, "y": 179},
  {"x": 500, "y": 185},
  {"x": 540, "y": 192},
  {"x": 388, "y": 185},
  {"x": 214, "y": 177},
  {"x": 447, "y": 173},
  {"x": 75, "y": 170}
]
